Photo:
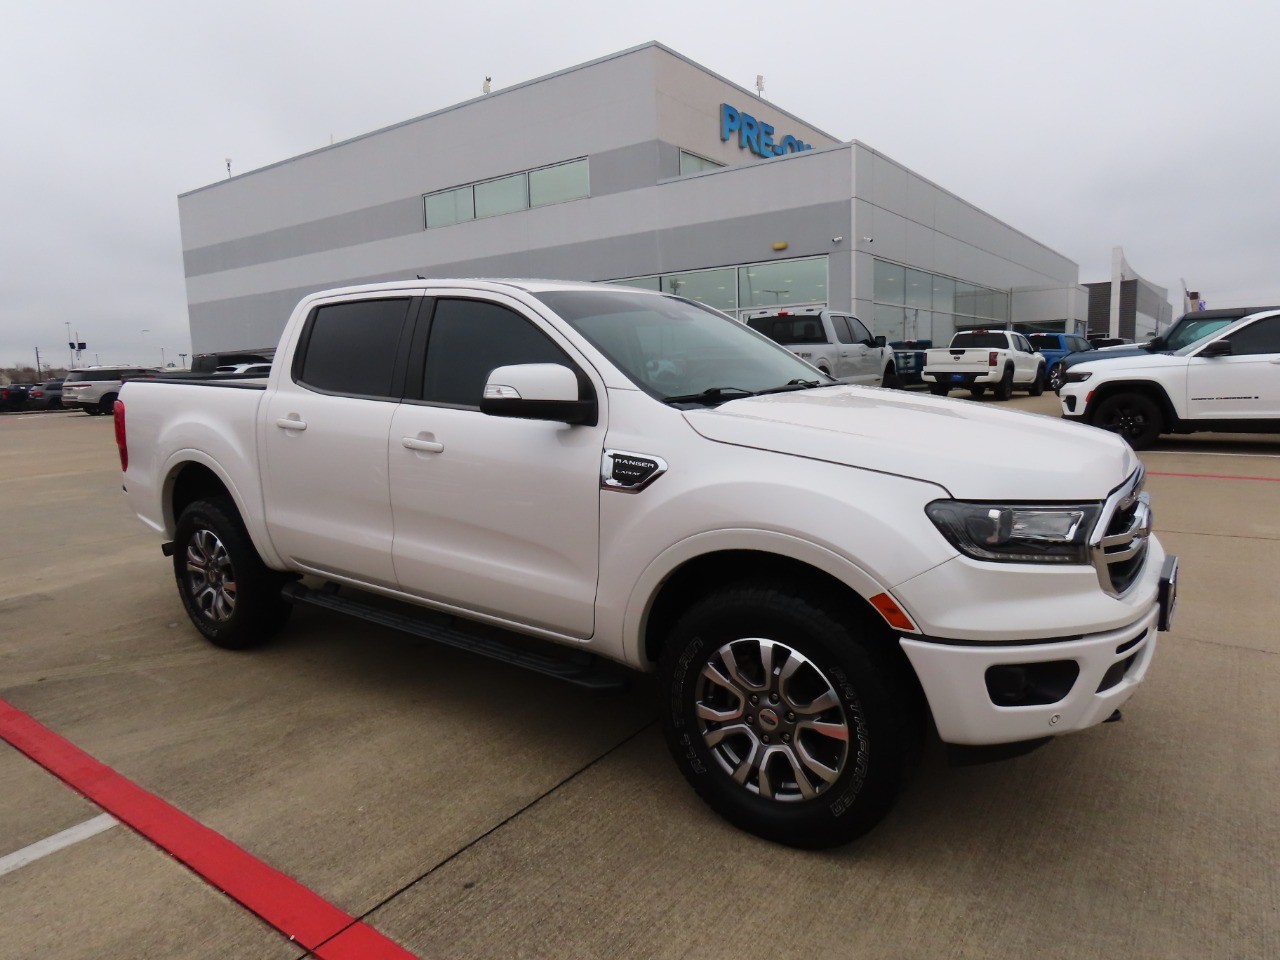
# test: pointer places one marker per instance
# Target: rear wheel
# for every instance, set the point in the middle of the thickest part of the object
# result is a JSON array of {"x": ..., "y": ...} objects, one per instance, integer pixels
[
  {"x": 784, "y": 716},
  {"x": 1134, "y": 416},
  {"x": 231, "y": 596},
  {"x": 107, "y": 404}
]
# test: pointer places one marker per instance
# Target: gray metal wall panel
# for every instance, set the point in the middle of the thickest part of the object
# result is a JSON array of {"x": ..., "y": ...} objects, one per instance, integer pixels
[{"x": 259, "y": 318}]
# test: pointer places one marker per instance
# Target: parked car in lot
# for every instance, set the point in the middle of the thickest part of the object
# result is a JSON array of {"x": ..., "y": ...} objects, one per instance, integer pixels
[
  {"x": 94, "y": 389},
  {"x": 977, "y": 359},
  {"x": 838, "y": 344},
  {"x": 1053, "y": 347},
  {"x": 1188, "y": 328},
  {"x": 13, "y": 396},
  {"x": 46, "y": 396},
  {"x": 814, "y": 570},
  {"x": 1228, "y": 380}
]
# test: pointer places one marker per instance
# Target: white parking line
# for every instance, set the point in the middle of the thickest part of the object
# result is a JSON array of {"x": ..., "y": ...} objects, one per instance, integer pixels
[{"x": 59, "y": 841}]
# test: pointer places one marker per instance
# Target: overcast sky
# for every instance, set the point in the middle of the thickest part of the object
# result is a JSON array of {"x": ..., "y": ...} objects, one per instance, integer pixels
[{"x": 1085, "y": 125}]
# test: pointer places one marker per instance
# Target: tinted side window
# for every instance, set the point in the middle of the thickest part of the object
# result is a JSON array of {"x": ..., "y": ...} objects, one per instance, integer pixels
[
  {"x": 842, "y": 329},
  {"x": 471, "y": 338},
  {"x": 1261, "y": 336},
  {"x": 860, "y": 333},
  {"x": 351, "y": 347}
]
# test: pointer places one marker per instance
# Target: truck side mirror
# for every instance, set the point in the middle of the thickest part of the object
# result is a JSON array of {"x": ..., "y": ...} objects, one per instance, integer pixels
[
  {"x": 537, "y": 391},
  {"x": 1218, "y": 348},
  {"x": 881, "y": 341}
]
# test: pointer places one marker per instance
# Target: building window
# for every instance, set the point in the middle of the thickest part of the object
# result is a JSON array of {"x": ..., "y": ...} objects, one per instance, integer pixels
[
  {"x": 510, "y": 194},
  {"x": 495, "y": 197},
  {"x": 783, "y": 283},
  {"x": 914, "y": 304},
  {"x": 449, "y": 207},
  {"x": 786, "y": 283},
  {"x": 564, "y": 181},
  {"x": 692, "y": 163}
]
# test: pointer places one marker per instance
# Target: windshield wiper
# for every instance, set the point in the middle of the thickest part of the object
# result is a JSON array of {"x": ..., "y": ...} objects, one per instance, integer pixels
[
  {"x": 711, "y": 395},
  {"x": 794, "y": 385}
]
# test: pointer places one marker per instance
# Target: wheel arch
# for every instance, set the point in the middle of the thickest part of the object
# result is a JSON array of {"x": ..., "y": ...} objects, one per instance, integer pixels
[
  {"x": 1148, "y": 388},
  {"x": 192, "y": 476},
  {"x": 824, "y": 576}
]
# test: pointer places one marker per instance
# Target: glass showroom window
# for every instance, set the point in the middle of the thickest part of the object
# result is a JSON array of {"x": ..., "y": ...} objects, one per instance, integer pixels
[
  {"x": 918, "y": 289},
  {"x": 715, "y": 288},
  {"x": 449, "y": 207},
  {"x": 785, "y": 282},
  {"x": 944, "y": 294},
  {"x": 507, "y": 195},
  {"x": 564, "y": 181},
  {"x": 692, "y": 163},
  {"x": 890, "y": 283}
]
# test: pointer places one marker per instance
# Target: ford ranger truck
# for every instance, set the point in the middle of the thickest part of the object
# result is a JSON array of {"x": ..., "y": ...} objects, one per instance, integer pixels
[
  {"x": 574, "y": 477},
  {"x": 977, "y": 359}
]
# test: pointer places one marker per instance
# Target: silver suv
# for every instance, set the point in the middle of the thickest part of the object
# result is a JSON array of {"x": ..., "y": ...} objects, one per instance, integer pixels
[{"x": 94, "y": 389}]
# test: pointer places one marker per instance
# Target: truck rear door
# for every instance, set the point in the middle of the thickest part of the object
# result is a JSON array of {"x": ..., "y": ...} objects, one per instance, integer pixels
[{"x": 323, "y": 439}]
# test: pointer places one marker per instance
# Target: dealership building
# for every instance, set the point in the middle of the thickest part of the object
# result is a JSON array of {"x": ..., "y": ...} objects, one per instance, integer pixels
[{"x": 641, "y": 167}]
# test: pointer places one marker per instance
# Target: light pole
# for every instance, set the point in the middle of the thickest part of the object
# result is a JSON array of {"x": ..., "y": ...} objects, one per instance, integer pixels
[{"x": 183, "y": 358}]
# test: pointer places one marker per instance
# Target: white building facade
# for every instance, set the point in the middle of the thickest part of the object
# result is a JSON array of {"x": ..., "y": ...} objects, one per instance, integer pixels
[{"x": 641, "y": 167}]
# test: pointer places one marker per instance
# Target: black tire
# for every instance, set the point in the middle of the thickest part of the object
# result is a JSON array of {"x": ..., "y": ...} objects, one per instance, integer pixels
[
  {"x": 93, "y": 411},
  {"x": 1037, "y": 384},
  {"x": 231, "y": 596},
  {"x": 939, "y": 389},
  {"x": 977, "y": 390},
  {"x": 1057, "y": 376},
  {"x": 1134, "y": 416},
  {"x": 823, "y": 668},
  {"x": 107, "y": 405},
  {"x": 890, "y": 379},
  {"x": 1004, "y": 389}
]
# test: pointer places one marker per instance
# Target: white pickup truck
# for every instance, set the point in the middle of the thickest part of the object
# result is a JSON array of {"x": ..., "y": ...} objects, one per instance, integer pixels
[
  {"x": 977, "y": 359},
  {"x": 816, "y": 571},
  {"x": 1228, "y": 380},
  {"x": 838, "y": 344}
]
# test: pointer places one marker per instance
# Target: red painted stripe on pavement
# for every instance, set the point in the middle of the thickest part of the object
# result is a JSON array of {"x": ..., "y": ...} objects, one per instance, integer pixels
[
  {"x": 1211, "y": 476},
  {"x": 288, "y": 906}
]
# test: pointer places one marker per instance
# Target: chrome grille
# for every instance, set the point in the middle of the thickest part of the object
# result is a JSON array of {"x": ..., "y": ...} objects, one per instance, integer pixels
[{"x": 1118, "y": 546}]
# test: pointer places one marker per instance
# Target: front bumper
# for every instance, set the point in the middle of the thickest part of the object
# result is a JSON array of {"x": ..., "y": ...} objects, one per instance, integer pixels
[{"x": 958, "y": 682}]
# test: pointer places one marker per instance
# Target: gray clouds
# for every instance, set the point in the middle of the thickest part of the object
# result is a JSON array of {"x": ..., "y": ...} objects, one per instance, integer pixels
[{"x": 1088, "y": 125}]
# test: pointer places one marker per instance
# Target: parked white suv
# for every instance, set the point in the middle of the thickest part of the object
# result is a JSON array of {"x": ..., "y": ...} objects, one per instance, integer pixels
[
  {"x": 838, "y": 344},
  {"x": 94, "y": 389},
  {"x": 1228, "y": 381}
]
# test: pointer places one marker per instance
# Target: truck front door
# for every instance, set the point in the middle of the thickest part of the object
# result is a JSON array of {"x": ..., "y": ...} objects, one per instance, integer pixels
[{"x": 492, "y": 515}]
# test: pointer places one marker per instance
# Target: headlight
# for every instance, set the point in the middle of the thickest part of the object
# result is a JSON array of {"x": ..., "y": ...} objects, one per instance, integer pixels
[
  {"x": 1077, "y": 376},
  {"x": 1016, "y": 534}
]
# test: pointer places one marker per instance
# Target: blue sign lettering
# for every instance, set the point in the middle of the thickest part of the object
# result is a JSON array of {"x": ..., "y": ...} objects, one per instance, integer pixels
[{"x": 756, "y": 135}]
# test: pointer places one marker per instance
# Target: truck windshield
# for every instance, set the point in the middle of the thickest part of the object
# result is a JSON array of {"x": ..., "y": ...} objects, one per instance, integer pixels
[
  {"x": 789, "y": 330},
  {"x": 670, "y": 347}
]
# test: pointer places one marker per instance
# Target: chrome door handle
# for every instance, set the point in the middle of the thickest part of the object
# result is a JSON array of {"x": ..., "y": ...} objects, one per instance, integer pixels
[
  {"x": 287, "y": 424},
  {"x": 426, "y": 446}
]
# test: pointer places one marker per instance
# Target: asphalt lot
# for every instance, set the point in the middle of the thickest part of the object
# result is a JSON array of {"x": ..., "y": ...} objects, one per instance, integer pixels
[{"x": 466, "y": 809}]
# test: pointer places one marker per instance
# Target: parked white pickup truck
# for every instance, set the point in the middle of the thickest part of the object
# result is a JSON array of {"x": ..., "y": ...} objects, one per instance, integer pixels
[
  {"x": 816, "y": 571},
  {"x": 1227, "y": 380},
  {"x": 977, "y": 359},
  {"x": 836, "y": 343}
]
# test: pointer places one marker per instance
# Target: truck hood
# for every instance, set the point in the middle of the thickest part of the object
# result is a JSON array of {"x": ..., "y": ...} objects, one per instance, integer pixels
[
  {"x": 973, "y": 451},
  {"x": 1118, "y": 365}
]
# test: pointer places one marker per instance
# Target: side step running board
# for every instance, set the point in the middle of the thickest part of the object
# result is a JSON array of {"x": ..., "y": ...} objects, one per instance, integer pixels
[{"x": 577, "y": 667}]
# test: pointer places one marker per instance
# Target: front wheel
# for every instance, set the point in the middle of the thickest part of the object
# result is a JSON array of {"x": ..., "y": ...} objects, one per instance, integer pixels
[
  {"x": 1057, "y": 376},
  {"x": 231, "y": 596},
  {"x": 783, "y": 716},
  {"x": 1133, "y": 416},
  {"x": 890, "y": 379}
]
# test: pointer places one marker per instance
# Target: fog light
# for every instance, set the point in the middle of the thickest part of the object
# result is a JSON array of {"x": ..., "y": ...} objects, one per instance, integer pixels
[{"x": 1031, "y": 684}]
